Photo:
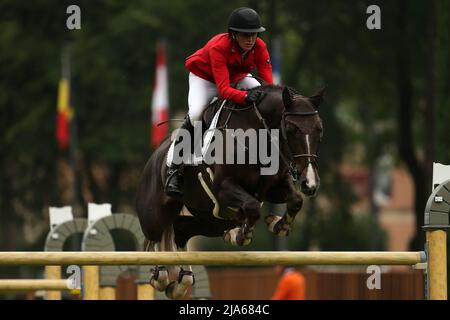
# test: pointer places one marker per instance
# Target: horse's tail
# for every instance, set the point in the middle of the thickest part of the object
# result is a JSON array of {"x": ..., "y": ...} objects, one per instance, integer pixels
[
  {"x": 167, "y": 242},
  {"x": 150, "y": 192},
  {"x": 148, "y": 245}
]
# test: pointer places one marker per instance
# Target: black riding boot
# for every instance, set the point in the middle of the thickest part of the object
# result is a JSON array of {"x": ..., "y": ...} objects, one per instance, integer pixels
[{"x": 174, "y": 177}]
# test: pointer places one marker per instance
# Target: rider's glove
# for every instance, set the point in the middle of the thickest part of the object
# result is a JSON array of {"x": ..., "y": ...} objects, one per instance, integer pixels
[{"x": 253, "y": 96}]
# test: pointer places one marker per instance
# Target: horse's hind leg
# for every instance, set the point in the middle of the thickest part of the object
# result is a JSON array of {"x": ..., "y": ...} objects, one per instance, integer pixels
[
  {"x": 160, "y": 275},
  {"x": 177, "y": 289},
  {"x": 184, "y": 227},
  {"x": 159, "y": 278}
]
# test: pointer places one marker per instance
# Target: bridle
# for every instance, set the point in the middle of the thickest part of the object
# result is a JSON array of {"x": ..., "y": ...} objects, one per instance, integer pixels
[
  {"x": 290, "y": 162},
  {"x": 311, "y": 158}
]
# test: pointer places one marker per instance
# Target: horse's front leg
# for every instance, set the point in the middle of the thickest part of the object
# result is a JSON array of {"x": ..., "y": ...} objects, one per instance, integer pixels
[
  {"x": 294, "y": 202},
  {"x": 233, "y": 195},
  {"x": 239, "y": 236}
]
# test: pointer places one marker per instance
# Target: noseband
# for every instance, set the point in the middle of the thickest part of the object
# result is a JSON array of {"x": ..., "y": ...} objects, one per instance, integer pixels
[{"x": 311, "y": 158}]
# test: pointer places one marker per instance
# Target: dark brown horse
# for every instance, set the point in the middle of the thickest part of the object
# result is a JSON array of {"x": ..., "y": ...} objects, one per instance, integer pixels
[{"x": 224, "y": 200}]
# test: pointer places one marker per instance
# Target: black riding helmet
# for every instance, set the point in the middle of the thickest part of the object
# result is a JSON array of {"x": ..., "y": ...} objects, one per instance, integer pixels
[{"x": 245, "y": 20}]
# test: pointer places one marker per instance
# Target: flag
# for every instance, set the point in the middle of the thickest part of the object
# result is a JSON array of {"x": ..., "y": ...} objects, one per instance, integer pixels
[
  {"x": 160, "y": 99},
  {"x": 64, "y": 115}
]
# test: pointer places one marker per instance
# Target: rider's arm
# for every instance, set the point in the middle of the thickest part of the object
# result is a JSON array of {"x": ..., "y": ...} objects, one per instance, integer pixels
[
  {"x": 222, "y": 77},
  {"x": 263, "y": 63}
]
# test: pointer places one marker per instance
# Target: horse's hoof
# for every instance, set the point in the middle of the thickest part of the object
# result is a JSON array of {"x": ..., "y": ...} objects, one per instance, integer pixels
[
  {"x": 160, "y": 278},
  {"x": 230, "y": 237},
  {"x": 227, "y": 237},
  {"x": 176, "y": 290},
  {"x": 186, "y": 278},
  {"x": 243, "y": 240},
  {"x": 269, "y": 219},
  {"x": 271, "y": 222},
  {"x": 236, "y": 237},
  {"x": 170, "y": 289},
  {"x": 282, "y": 228},
  {"x": 160, "y": 273}
]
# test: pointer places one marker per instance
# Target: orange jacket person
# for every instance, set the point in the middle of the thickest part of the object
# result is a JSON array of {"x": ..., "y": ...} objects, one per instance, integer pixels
[{"x": 291, "y": 286}]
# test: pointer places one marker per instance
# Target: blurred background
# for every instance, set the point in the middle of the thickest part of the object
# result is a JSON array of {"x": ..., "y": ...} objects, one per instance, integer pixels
[{"x": 76, "y": 109}]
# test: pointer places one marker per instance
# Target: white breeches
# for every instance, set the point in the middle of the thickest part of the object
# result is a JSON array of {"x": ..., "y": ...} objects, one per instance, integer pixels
[{"x": 201, "y": 92}]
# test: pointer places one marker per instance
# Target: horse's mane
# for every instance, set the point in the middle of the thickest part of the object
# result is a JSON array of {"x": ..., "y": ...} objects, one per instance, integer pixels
[
  {"x": 269, "y": 88},
  {"x": 276, "y": 88},
  {"x": 266, "y": 88}
]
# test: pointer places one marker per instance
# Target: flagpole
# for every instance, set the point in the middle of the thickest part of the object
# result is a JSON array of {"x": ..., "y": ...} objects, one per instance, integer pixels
[{"x": 66, "y": 69}]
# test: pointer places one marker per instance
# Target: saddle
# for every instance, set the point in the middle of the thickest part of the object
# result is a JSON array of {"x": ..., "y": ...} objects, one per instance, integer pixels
[{"x": 209, "y": 124}]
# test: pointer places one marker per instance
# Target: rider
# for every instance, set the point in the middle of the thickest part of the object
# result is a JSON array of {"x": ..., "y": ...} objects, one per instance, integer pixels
[{"x": 226, "y": 58}]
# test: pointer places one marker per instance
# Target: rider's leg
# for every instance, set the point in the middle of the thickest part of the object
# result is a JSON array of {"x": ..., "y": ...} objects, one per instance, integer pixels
[
  {"x": 200, "y": 94},
  {"x": 174, "y": 177}
]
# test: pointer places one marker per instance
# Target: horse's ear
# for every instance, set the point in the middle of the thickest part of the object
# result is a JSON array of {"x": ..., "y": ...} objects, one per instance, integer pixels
[
  {"x": 317, "y": 98},
  {"x": 287, "y": 98}
]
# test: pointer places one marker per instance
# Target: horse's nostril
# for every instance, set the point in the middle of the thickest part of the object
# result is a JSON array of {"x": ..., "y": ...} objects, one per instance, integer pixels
[{"x": 307, "y": 189}]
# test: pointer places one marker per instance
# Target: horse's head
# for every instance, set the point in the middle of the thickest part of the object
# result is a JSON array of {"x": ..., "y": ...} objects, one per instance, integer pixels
[{"x": 302, "y": 129}]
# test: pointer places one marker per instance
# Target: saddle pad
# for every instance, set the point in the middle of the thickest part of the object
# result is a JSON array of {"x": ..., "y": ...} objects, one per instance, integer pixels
[
  {"x": 209, "y": 134},
  {"x": 207, "y": 138}
]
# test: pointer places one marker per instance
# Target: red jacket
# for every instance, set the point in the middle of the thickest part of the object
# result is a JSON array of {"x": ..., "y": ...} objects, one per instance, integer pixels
[{"x": 220, "y": 61}]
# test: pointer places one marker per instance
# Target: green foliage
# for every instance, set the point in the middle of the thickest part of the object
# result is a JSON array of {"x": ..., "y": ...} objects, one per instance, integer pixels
[{"x": 350, "y": 233}]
